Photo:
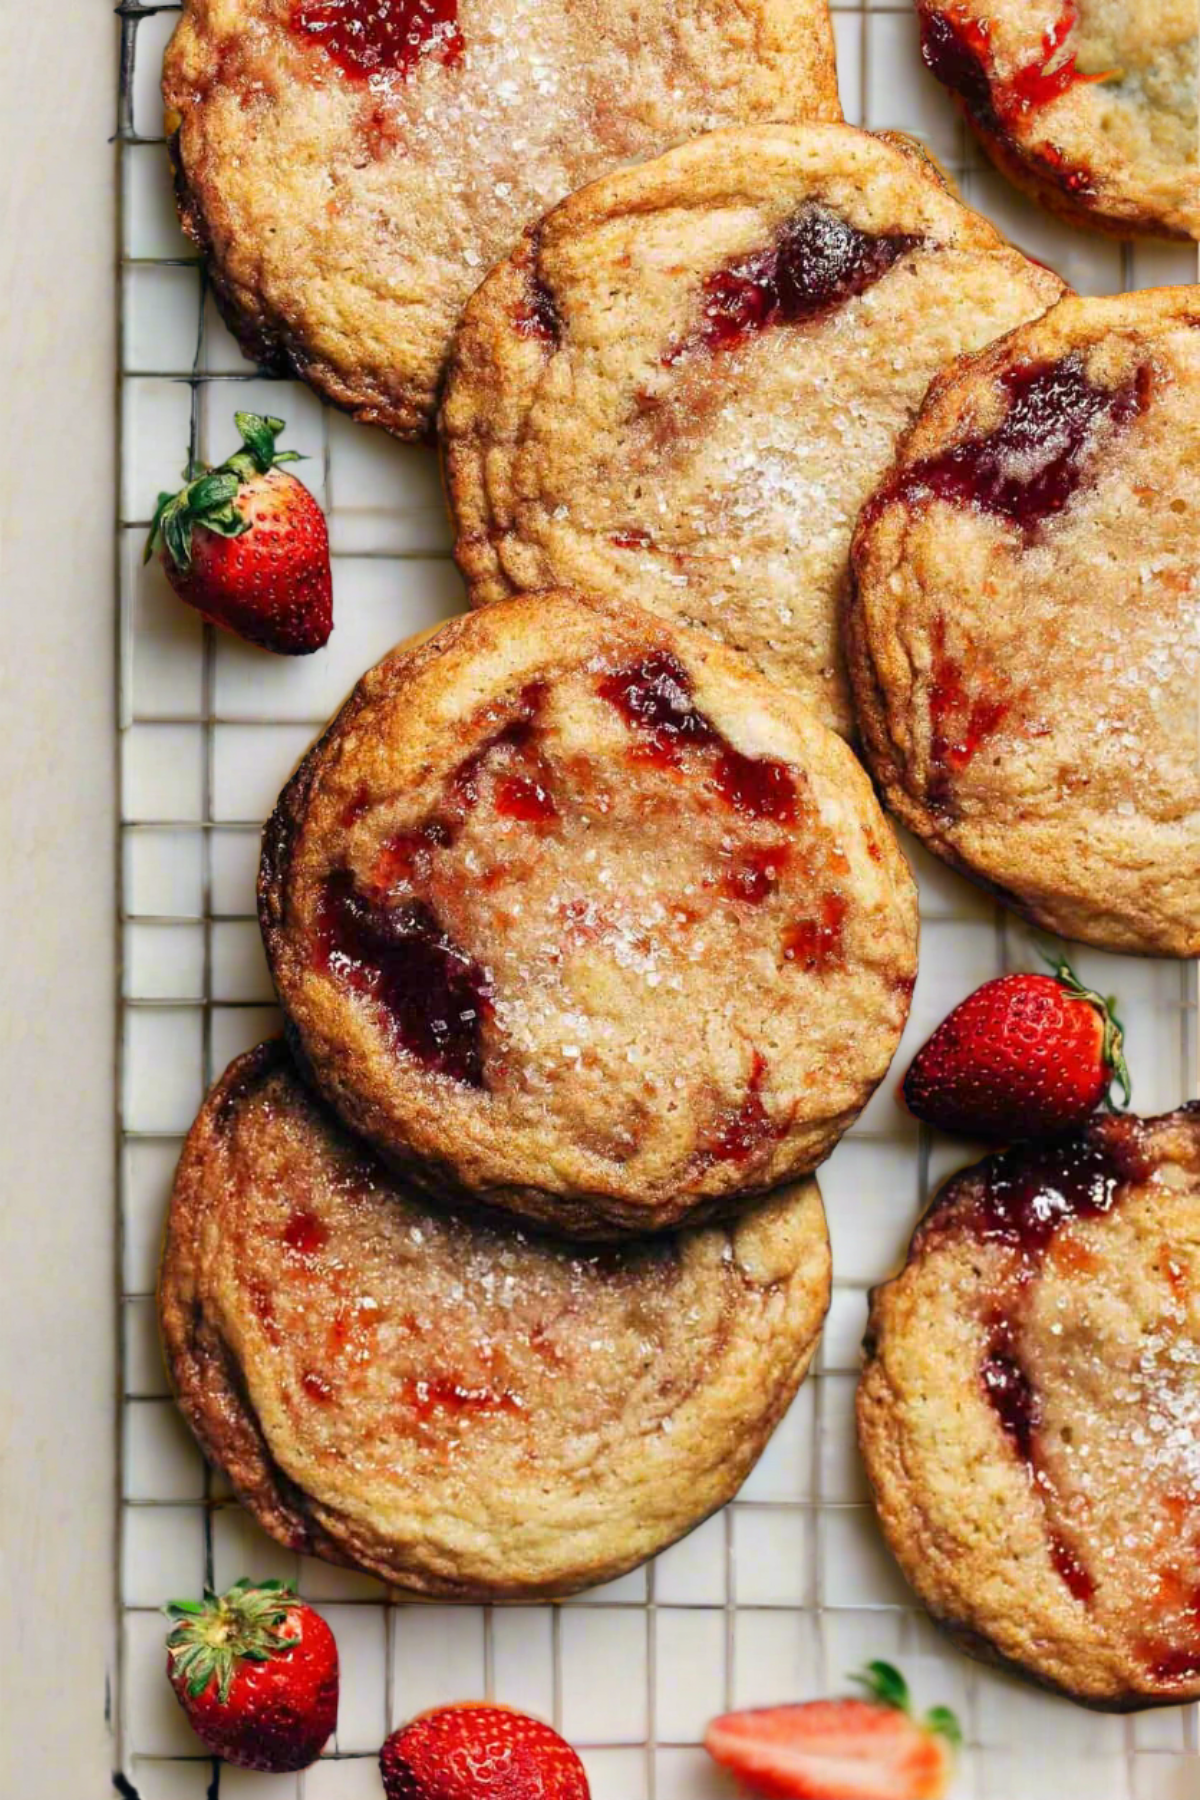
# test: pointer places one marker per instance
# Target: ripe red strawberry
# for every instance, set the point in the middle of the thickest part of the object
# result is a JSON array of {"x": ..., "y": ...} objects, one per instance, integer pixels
[
  {"x": 256, "y": 1672},
  {"x": 246, "y": 545},
  {"x": 841, "y": 1749},
  {"x": 1023, "y": 1056},
  {"x": 480, "y": 1752}
]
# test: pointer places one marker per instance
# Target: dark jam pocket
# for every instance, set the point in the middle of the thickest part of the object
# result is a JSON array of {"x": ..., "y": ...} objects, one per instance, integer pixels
[
  {"x": 1029, "y": 467},
  {"x": 1011, "y": 1393},
  {"x": 537, "y": 315},
  {"x": 957, "y": 49},
  {"x": 816, "y": 263},
  {"x": 433, "y": 995},
  {"x": 654, "y": 697},
  {"x": 1028, "y": 1194},
  {"x": 384, "y": 938},
  {"x": 380, "y": 37},
  {"x": 1018, "y": 1409}
]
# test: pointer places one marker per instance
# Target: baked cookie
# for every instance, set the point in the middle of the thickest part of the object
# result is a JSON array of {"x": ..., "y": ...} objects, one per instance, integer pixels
[
  {"x": 1030, "y": 1410},
  {"x": 684, "y": 384},
  {"x": 467, "y": 1412},
  {"x": 352, "y": 167},
  {"x": 1089, "y": 105},
  {"x": 575, "y": 912},
  {"x": 1024, "y": 636}
]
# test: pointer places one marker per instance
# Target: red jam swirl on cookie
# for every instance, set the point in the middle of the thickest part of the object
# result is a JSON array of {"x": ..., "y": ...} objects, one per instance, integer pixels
[
  {"x": 368, "y": 38},
  {"x": 816, "y": 943},
  {"x": 1029, "y": 467},
  {"x": 435, "y": 996},
  {"x": 745, "y": 1129},
  {"x": 957, "y": 49},
  {"x": 960, "y": 720},
  {"x": 382, "y": 937},
  {"x": 537, "y": 316},
  {"x": 816, "y": 263},
  {"x": 654, "y": 697},
  {"x": 1028, "y": 1195}
]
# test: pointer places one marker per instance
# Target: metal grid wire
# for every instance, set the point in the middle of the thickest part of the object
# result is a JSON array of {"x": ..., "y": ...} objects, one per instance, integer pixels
[{"x": 828, "y": 1631}]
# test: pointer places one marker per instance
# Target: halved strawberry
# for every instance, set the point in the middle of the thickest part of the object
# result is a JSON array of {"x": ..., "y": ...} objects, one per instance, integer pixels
[{"x": 841, "y": 1749}]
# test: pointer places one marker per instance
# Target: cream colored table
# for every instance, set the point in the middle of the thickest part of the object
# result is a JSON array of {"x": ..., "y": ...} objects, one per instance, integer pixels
[{"x": 57, "y": 793}]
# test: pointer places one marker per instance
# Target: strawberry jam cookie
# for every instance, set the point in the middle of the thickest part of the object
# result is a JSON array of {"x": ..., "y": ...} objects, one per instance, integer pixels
[
  {"x": 1024, "y": 636},
  {"x": 466, "y": 1411},
  {"x": 576, "y": 912},
  {"x": 353, "y": 167},
  {"x": 1030, "y": 1410},
  {"x": 1089, "y": 105},
  {"x": 684, "y": 384}
]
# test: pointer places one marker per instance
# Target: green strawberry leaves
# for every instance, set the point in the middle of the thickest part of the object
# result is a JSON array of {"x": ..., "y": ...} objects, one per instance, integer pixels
[
  {"x": 886, "y": 1686},
  {"x": 943, "y": 1723},
  {"x": 209, "y": 497},
  {"x": 258, "y": 433},
  {"x": 210, "y": 1637}
]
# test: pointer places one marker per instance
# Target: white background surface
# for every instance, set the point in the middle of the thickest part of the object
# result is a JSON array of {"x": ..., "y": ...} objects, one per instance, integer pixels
[
  {"x": 57, "y": 764},
  {"x": 776, "y": 1598}
]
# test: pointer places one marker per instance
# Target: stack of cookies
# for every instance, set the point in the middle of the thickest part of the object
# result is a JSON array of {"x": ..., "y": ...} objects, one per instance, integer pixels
[
  {"x": 593, "y": 941},
  {"x": 763, "y": 451}
]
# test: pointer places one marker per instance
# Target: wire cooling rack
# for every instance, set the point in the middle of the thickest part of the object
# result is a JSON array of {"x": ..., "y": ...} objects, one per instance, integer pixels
[{"x": 790, "y": 1586}]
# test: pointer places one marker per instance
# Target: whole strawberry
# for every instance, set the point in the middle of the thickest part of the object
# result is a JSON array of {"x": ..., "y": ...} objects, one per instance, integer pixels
[
  {"x": 256, "y": 1672},
  {"x": 246, "y": 545},
  {"x": 480, "y": 1752},
  {"x": 1024, "y": 1056},
  {"x": 869, "y": 1749}
]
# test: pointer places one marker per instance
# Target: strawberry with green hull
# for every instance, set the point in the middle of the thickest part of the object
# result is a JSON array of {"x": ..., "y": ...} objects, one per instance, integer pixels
[
  {"x": 246, "y": 545},
  {"x": 477, "y": 1751},
  {"x": 256, "y": 1672},
  {"x": 870, "y": 1749},
  {"x": 1024, "y": 1056}
]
